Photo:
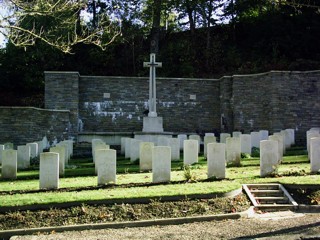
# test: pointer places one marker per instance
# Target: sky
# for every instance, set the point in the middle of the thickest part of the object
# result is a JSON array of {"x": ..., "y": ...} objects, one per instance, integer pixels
[
  {"x": 3, "y": 11},
  {"x": 2, "y": 41}
]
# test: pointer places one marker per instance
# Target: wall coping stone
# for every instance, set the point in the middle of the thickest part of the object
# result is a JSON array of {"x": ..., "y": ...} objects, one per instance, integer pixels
[
  {"x": 34, "y": 108},
  {"x": 275, "y": 71},
  {"x": 185, "y": 79},
  {"x": 103, "y": 133},
  {"x": 61, "y": 72}
]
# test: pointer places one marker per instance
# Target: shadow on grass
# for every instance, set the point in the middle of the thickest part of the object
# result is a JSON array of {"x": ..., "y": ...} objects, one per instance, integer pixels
[{"x": 108, "y": 186}]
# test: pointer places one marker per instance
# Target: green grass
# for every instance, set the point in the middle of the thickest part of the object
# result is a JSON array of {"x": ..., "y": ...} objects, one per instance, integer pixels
[{"x": 80, "y": 175}]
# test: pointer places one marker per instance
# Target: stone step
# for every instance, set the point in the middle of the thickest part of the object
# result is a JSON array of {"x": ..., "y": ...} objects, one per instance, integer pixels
[
  {"x": 263, "y": 186},
  {"x": 269, "y": 196},
  {"x": 267, "y": 193},
  {"x": 272, "y": 201},
  {"x": 276, "y": 207}
]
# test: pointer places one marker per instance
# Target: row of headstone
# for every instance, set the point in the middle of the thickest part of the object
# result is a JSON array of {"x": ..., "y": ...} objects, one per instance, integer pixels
[
  {"x": 52, "y": 164},
  {"x": 131, "y": 147},
  {"x": 12, "y": 160},
  {"x": 158, "y": 159},
  {"x": 165, "y": 141},
  {"x": 271, "y": 147}
]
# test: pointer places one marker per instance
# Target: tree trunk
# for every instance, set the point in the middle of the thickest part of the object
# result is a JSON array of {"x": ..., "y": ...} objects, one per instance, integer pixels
[
  {"x": 190, "y": 11},
  {"x": 155, "y": 31}
]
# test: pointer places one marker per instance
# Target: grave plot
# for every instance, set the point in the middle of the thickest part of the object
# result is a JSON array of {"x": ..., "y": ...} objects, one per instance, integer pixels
[{"x": 208, "y": 176}]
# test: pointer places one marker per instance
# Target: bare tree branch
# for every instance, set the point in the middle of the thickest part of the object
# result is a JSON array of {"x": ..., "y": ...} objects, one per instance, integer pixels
[{"x": 56, "y": 23}]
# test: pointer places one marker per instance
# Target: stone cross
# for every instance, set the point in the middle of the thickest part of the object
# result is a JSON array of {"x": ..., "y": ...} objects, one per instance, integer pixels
[{"x": 152, "y": 84}]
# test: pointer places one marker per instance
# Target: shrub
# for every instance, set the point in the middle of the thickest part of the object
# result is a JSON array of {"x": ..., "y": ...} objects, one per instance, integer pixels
[
  {"x": 255, "y": 152},
  {"x": 188, "y": 174},
  {"x": 315, "y": 197}
]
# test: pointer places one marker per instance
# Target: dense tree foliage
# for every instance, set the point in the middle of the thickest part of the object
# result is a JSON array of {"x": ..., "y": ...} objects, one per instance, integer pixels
[{"x": 201, "y": 38}]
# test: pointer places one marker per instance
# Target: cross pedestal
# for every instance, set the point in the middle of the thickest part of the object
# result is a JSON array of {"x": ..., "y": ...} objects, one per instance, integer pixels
[{"x": 152, "y": 123}]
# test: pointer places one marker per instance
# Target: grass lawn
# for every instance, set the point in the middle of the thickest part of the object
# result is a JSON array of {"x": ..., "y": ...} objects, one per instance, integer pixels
[{"x": 80, "y": 184}]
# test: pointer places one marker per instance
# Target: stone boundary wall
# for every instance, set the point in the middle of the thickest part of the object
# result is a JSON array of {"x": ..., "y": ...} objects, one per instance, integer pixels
[
  {"x": 21, "y": 125},
  {"x": 277, "y": 100},
  {"x": 271, "y": 101},
  {"x": 117, "y": 104}
]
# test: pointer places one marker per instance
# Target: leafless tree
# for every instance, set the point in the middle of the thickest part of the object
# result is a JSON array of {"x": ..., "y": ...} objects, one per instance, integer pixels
[{"x": 59, "y": 23}]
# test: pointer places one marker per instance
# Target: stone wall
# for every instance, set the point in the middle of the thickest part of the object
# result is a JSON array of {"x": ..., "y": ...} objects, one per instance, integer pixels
[
  {"x": 277, "y": 100},
  {"x": 118, "y": 104},
  {"x": 270, "y": 101},
  {"x": 62, "y": 93},
  {"x": 22, "y": 125}
]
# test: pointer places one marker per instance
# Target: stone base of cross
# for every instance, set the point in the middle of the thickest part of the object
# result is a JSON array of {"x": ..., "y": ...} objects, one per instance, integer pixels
[{"x": 152, "y": 124}]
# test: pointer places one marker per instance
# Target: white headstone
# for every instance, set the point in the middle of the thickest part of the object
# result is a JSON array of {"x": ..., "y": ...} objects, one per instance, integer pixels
[
  {"x": 311, "y": 134},
  {"x": 282, "y": 141},
  {"x": 233, "y": 150},
  {"x": 9, "y": 164},
  {"x": 236, "y": 134},
  {"x": 264, "y": 135},
  {"x": 1, "y": 149},
  {"x": 45, "y": 142},
  {"x": 174, "y": 144},
  {"x": 146, "y": 156},
  {"x": 279, "y": 140},
  {"x": 106, "y": 161},
  {"x": 97, "y": 148},
  {"x": 206, "y": 141},
  {"x": 8, "y": 145},
  {"x": 40, "y": 147},
  {"x": 123, "y": 145},
  {"x": 33, "y": 149},
  {"x": 268, "y": 157},
  {"x": 190, "y": 151},
  {"x": 181, "y": 138},
  {"x": 245, "y": 141},
  {"x": 315, "y": 154},
  {"x": 255, "y": 139},
  {"x": 134, "y": 149},
  {"x": 70, "y": 147},
  {"x": 286, "y": 138},
  {"x": 216, "y": 160},
  {"x": 224, "y": 136},
  {"x": 195, "y": 137},
  {"x": 23, "y": 153},
  {"x": 161, "y": 164},
  {"x": 62, "y": 158},
  {"x": 292, "y": 135},
  {"x": 95, "y": 142},
  {"x": 66, "y": 151},
  {"x": 163, "y": 141},
  {"x": 49, "y": 170},
  {"x": 209, "y": 134},
  {"x": 127, "y": 151}
]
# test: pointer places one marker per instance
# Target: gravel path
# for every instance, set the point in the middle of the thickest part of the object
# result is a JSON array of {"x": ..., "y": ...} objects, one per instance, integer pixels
[{"x": 263, "y": 226}]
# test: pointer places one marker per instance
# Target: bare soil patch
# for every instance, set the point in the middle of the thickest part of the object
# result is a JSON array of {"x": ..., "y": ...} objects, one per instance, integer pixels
[{"x": 121, "y": 212}]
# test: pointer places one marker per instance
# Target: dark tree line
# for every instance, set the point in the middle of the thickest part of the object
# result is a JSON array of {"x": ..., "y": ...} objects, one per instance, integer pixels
[{"x": 203, "y": 38}]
